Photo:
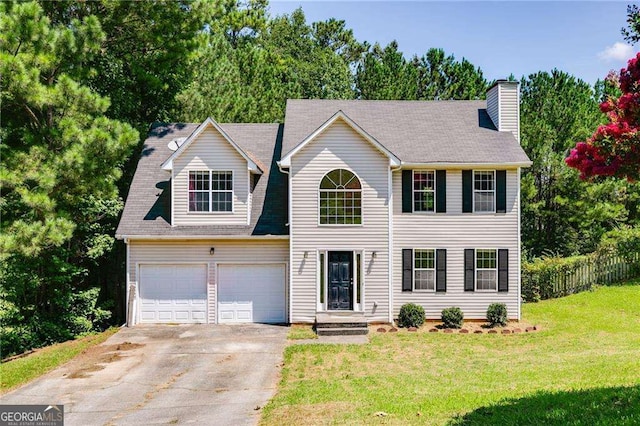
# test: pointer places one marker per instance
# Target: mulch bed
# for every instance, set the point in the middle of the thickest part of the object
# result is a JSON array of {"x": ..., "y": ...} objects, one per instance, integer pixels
[{"x": 513, "y": 327}]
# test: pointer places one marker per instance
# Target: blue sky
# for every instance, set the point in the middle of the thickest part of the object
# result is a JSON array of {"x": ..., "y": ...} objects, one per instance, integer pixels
[{"x": 581, "y": 38}]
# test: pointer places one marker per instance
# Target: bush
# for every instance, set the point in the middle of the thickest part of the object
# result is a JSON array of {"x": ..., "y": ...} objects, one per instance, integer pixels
[
  {"x": 626, "y": 243},
  {"x": 497, "y": 314},
  {"x": 411, "y": 315},
  {"x": 452, "y": 317}
]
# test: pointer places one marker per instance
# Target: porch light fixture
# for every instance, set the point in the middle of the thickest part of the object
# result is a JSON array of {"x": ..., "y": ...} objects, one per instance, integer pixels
[
  {"x": 374, "y": 254},
  {"x": 306, "y": 254},
  {"x": 212, "y": 250}
]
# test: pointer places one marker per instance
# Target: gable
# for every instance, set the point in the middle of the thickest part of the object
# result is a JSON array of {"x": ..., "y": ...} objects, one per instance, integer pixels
[
  {"x": 342, "y": 118},
  {"x": 209, "y": 125},
  {"x": 456, "y": 133}
]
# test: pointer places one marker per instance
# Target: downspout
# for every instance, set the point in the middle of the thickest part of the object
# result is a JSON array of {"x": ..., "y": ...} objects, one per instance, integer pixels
[
  {"x": 288, "y": 173},
  {"x": 390, "y": 239},
  {"x": 127, "y": 281},
  {"x": 519, "y": 250}
]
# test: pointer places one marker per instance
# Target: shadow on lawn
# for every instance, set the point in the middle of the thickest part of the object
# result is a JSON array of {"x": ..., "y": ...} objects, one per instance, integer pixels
[{"x": 601, "y": 406}]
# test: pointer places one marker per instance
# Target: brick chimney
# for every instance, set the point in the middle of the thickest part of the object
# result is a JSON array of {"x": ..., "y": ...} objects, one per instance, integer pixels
[{"x": 503, "y": 106}]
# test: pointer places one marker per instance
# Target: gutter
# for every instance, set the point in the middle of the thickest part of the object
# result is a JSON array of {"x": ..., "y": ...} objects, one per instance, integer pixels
[
  {"x": 470, "y": 165},
  {"x": 202, "y": 237}
]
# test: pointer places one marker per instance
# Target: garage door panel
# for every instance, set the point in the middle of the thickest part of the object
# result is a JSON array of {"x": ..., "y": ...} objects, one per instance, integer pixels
[
  {"x": 251, "y": 293},
  {"x": 173, "y": 293}
]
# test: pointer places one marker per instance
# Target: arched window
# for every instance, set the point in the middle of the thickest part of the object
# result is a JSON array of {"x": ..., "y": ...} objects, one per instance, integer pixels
[{"x": 340, "y": 198}]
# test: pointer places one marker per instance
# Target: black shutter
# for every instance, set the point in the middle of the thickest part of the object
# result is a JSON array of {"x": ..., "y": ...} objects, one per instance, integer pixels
[
  {"x": 469, "y": 269},
  {"x": 407, "y": 269},
  {"x": 441, "y": 270},
  {"x": 501, "y": 191},
  {"x": 407, "y": 191},
  {"x": 441, "y": 191},
  {"x": 503, "y": 270},
  {"x": 467, "y": 191}
]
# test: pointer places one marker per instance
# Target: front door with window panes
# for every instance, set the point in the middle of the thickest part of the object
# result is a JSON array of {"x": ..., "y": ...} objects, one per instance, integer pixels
[{"x": 340, "y": 280}]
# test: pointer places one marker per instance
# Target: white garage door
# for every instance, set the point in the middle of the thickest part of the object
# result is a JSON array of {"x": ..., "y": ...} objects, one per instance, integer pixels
[
  {"x": 251, "y": 293},
  {"x": 173, "y": 293}
]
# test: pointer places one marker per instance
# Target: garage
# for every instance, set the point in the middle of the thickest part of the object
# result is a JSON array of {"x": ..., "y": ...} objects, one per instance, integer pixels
[
  {"x": 173, "y": 293},
  {"x": 251, "y": 293}
]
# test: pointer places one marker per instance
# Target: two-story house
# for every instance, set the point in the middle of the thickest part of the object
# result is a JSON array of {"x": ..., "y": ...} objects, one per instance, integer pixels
[{"x": 348, "y": 207}]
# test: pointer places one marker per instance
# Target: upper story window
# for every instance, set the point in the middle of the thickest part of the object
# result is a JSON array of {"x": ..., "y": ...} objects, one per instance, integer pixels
[
  {"x": 484, "y": 191},
  {"x": 340, "y": 198},
  {"x": 210, "y": 191},
  {"x": 424, "y": 191}
]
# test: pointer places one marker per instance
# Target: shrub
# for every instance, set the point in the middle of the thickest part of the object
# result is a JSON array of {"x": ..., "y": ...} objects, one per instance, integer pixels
[
  {"x": 452, "y": 317},
  {"x": 497, "y": 314},
  {"x": 625, "y": 242},
  {"x": 411, "y": 315}
]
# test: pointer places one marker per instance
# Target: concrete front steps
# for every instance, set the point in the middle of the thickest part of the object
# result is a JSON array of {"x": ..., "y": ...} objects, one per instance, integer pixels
[{"x": 341, "y": 324}]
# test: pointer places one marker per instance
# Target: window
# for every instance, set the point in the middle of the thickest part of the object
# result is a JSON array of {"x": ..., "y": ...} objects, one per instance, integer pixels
[
  {"x": 486, "y": 270},
  {"x": 484, "y": 191},
  {"x": 340, "y": 198},
  {"x": 424, "y": 191},
  {"x": 424, "y": 271},
  {"x": 210, "y": 191}
]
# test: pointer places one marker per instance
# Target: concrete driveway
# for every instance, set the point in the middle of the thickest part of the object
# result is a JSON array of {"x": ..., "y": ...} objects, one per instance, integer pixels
[{"x": 201, "y": 374}]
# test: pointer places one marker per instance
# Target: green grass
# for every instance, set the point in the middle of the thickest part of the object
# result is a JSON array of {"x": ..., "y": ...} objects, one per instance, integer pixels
[
  {"x": 22, "y": 370},
  {"x": 581, "y": 369},
  {"x": 301, "y": 332}
]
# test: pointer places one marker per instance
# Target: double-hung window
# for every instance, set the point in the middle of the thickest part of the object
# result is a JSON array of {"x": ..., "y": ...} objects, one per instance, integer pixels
[
  {"x": 210, "y": 191},
  {"x": 424, "y": 191},
  {"x": 424, "y": 270},
  {"x": 486, "y": 270},
  {"x": 484, "y": 191}
]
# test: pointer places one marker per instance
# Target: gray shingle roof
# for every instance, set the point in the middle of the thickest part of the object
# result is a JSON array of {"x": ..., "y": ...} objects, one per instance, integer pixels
[
  {"x": 414, "y": 131},
  {"x": 148, "y": 207}
]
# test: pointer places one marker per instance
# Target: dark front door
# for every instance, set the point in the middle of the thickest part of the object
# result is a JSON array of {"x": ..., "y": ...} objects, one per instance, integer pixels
[{"x": 340, "y": 284}]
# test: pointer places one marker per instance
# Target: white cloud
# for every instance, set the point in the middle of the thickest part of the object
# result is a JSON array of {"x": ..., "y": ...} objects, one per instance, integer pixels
[{"x": 617, "y": 52}]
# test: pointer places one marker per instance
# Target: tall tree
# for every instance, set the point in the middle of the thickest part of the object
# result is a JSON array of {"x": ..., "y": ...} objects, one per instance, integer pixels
[
  {"x": 442, "y": 77},
  {"x": 61, "y": 159},
  {"x": 384, "y": 73},
  {"x": 560, "y": 214},
  {"x": 251, "y": 80},
  {"x": 614, "y": 148},
  {"x": 142, "y": 61}
]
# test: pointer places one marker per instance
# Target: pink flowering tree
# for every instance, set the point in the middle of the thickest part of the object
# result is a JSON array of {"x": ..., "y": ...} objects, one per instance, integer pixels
[{"x": 614, "y": 148}]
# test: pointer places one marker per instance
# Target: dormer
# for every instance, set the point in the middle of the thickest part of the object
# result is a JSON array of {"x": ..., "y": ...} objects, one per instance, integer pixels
[{"x": 211, "y": 178}]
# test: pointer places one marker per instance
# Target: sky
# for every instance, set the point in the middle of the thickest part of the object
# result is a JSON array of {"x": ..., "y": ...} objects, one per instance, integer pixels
[{"x": 502, "y": 37}]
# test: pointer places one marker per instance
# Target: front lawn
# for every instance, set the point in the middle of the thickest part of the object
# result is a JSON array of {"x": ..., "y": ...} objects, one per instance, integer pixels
[
  {"x": 22, "y": 370},
  {"x": 581, "y": 369}
]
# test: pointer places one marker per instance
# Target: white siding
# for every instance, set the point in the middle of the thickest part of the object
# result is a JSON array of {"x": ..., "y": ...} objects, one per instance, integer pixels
[
  {"x": 339, "y": 147},
  {"x": 192, "y": 252},
  {"x": 455, "y": 232},
  {"x": 492, "y": 105},
  {"x": 509, "y": 109},
  {"x": 210, "y": 151},
  {"x": 503, "y": 106}
]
